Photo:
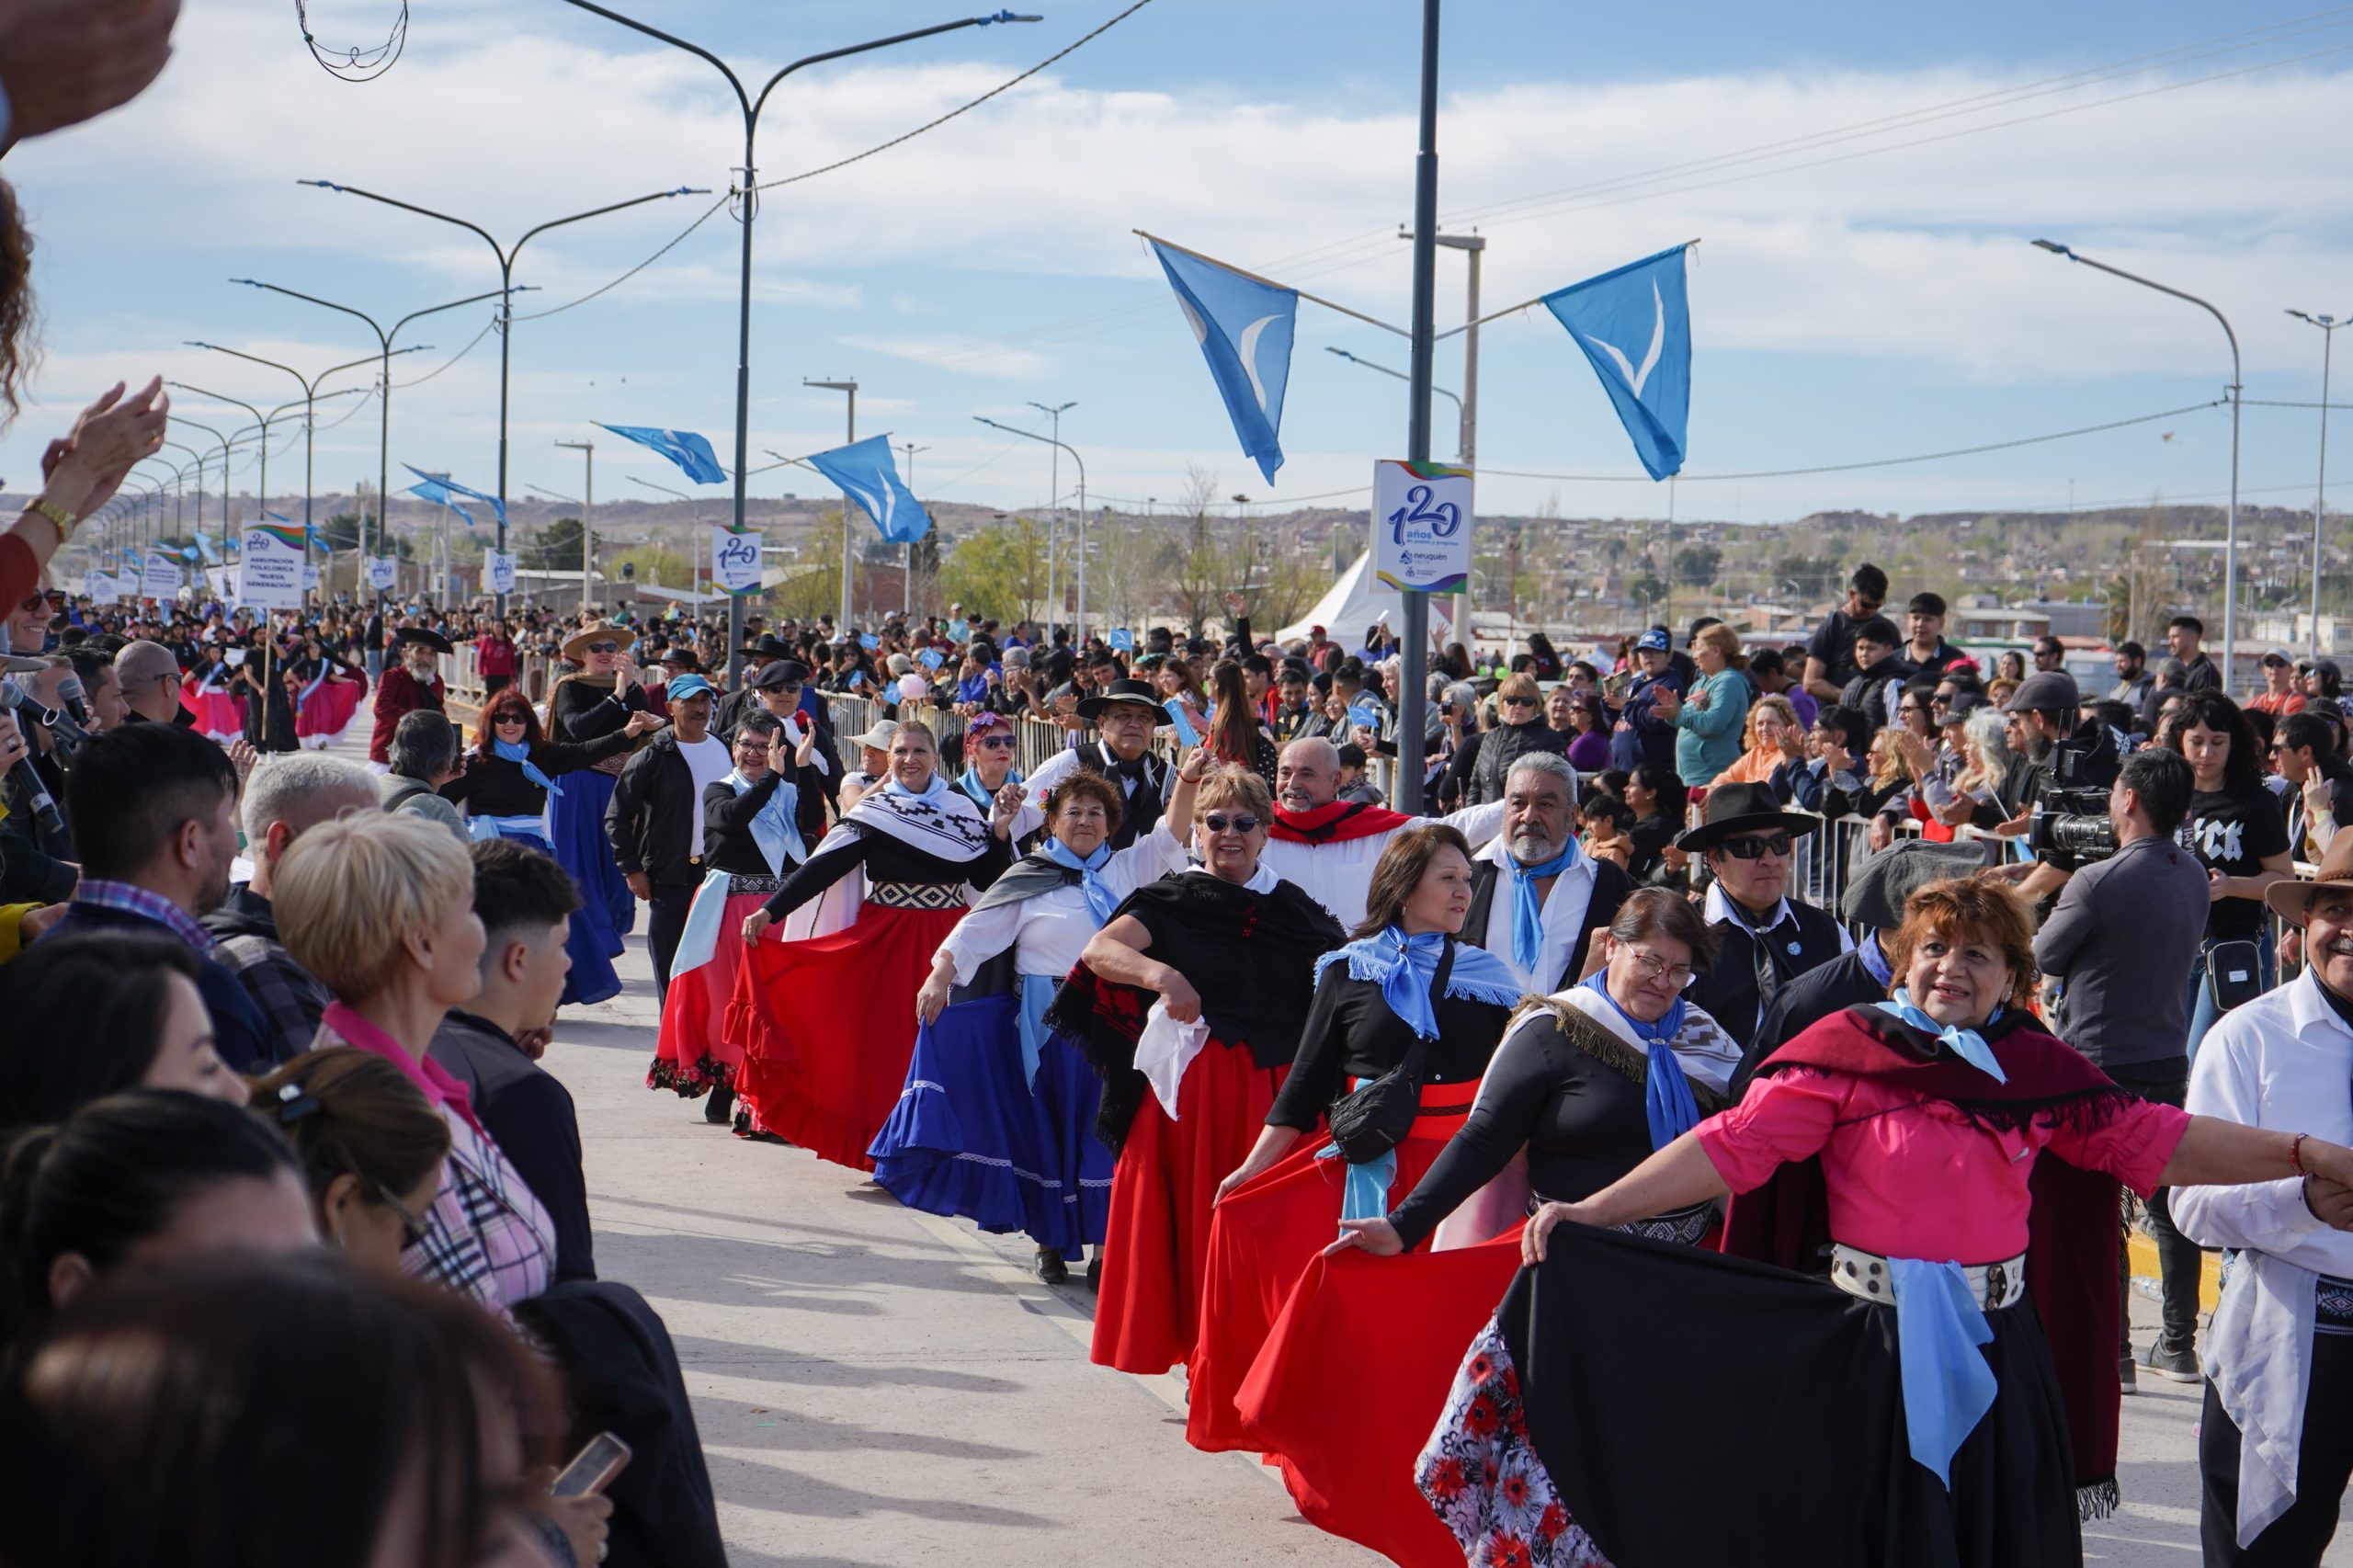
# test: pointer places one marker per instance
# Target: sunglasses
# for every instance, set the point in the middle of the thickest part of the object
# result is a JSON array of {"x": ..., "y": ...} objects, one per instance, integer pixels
[
  {"x": 1517, "y": 701},
  {"x": 54, "y": 601},
  {"x": 507, "y": 718},
  {"x": 1216, "y": 823},
  {"x": 604, "y": 647},
  {"x": 997, "y": 742},
  {"x": 1758, "y": 845}
]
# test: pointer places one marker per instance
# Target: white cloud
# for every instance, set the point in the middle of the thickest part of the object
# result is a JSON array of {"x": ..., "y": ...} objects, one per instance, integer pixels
[{"x": 966, "y": 353}]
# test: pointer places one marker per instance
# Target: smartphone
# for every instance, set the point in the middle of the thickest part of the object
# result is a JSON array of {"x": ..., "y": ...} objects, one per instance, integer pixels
[{"x": 593, "y": 1468}]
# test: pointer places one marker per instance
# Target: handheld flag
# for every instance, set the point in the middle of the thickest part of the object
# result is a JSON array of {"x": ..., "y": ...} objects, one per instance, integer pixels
[
  {"x": 1634, "y": 326},
  {"x": 865, "y": 471},
  {"x": 1121, "y": 640},
  {"x": 449, "y": 487},
  {"x": 435, "y": 491},
  {"x": 689, "y": 450},
  {"x": 1244, "y": 330}
]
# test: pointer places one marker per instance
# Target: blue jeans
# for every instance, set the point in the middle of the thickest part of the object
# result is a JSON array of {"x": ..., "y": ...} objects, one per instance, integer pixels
[{"x": 2202, "y": 1011}]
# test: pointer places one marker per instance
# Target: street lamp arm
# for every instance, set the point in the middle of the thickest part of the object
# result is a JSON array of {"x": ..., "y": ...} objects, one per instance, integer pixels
[
  {"x": 371, "y": 359},
  {"x": 1049, "y": 440},
  {"x": 599, "y": 212},
  {"x": 430, "y": 310},
  {"x": 256, "y": 359},
  {"x": 847, "y": 51},
  {"x": 222, "y": 397},
  {"x": 2057, "y": 249},
  {"x": 676, "y": 42},
  {"x": 411, "y": 207},
  {"x": 381, "y": 335}
]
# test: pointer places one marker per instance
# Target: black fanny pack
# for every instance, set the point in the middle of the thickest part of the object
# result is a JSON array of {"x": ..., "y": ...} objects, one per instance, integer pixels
[{"x": 1375, "y": 1117}]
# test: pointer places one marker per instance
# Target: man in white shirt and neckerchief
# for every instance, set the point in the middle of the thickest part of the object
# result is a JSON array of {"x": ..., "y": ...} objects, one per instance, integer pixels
[
  {"x": 1536, "y": 896},
  {"x": 2275, "y": 1443},
  {"x": 1329, "y": 846}
]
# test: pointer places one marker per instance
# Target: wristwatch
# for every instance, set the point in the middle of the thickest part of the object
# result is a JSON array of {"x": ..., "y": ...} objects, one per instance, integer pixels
[{"x": 59, "y": 517}]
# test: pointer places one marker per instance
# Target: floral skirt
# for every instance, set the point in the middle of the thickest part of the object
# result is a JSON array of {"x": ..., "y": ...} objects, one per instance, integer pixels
[
  {"x": 1147, "y": 1308},
  {"x": 1261, "y": 1239}
]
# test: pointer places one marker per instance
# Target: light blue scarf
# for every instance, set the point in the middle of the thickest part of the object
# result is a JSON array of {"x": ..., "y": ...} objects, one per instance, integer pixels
[
  {"x": 1406, "y": 967},
  {"x": 931, "y": 792},
  {"x": 1948, "y": 1387},
  {"x": 1099, "y": 896},
  {"x": 773, "y": 827},
  {"x": 516, "y": 750},
  {"x": 1667, "y": 1094},
  {"x": 982, "y": 795},
  {"x": 1528, "y": 910},
  {"x": 1967, "y": 1044}
]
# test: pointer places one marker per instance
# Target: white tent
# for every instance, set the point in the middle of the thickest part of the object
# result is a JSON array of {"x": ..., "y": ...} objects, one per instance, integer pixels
[{"x": 1356, "y": 601}]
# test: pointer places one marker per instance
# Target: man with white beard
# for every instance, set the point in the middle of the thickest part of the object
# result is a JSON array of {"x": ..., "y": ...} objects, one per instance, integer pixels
[
  {"x": 1536, "y": 897},
  {"x": 1327, "y": 845}
]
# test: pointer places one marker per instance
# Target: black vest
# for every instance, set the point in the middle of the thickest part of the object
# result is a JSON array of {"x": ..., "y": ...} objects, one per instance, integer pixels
[
  {"x": 1753, "y": 966},
  {"x": 1610, "y": 886},
  {"x": 1144, "y": 803}
]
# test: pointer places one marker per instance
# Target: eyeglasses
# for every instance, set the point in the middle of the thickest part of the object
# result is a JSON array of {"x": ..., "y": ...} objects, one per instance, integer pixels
[
  {"x": 1216, "y": 823},
  {"x": 413, "y": 1225},
  {"x": 1754, "y": 846},
  {"x": 1652, "y": 966}
]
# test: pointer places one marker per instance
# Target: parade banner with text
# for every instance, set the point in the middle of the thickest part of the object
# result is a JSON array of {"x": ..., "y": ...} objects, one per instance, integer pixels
[
  {"x": 735, "y": 560},
  {"x": 1421, "y": 527},
  {"x": 269, "y": 568}
]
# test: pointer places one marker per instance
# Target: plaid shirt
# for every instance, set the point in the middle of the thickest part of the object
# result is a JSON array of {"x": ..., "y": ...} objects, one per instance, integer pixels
[
  {"x": 133, "y": 900},
  {"x": 289, "y": 995},
  {"x": 485, "y": 1234}
]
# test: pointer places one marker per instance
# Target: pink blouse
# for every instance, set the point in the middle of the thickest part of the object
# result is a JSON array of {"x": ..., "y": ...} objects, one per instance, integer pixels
[{"x": 1913, "y": 1178}]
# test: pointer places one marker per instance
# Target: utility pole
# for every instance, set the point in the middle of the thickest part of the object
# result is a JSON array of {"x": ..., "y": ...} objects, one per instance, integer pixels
[
  {"x": 1054, "y": 515},
  {"x": 588, "y": 519},
  {"x": 907, "y": 577},
  {"x": 1413, "y": 689},
  {"x": 1474, "y": 246},
  {"x": 841, "y": 627},
  {"x": 2328, "y": 326}
]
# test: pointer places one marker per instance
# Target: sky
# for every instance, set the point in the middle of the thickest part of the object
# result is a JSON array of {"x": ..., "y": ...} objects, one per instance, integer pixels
[{"x": 1863, "y": 180}]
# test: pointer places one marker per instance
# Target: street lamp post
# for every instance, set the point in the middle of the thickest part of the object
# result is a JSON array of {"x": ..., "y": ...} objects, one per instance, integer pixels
[
  {"x": 309, "y": 386},
  {"x": 2230, "y": 522},
  {"x": 385, "y": 336},
  {"x": 2328, "y": 326},
  {"x": 587, "y": 450},
  {"x": 505, "y": 256},
  {"x": 1414, "y": 688},
  {"x": 1080, "y": 640},
  {"x": 751, "y": 108},
  {"x": 1054, "y": 516},
  {"x": 908, "y": 577},
  {"x": 850, "y": 388},
  {"x": 694, "y": 588}
]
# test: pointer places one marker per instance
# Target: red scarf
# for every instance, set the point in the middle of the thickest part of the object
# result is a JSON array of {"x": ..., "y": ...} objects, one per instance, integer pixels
[
  {"x": 2071, "y": 1230},
  {"x": 1334, "y": 823}
]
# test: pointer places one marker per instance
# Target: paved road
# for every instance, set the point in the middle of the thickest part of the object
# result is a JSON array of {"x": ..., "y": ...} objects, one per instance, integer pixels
[{"x": 878, "y": 1388}]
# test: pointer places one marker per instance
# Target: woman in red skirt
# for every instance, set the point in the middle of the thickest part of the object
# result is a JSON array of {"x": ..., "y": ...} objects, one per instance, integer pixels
[
  {"x": 1584, "y": 1085},
  {"x": 1402, "y": 998},
  {"x": 827, "y": 1025},
  {"x": 1230, "y": 949}
]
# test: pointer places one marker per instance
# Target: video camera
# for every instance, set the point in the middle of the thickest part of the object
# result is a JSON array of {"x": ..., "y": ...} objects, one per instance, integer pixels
[{"x": 2070, "y": 811}]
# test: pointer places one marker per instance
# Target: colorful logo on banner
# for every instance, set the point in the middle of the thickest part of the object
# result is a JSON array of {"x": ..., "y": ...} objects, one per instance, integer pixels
[
  {"x": 269, "y": 569},
  {"x": 497, "y": 572},
  {"x": 1421, "y": 527},
  {"x": 98, "y": 587},
  {"x": 735, "y": 560},
  {"x": 382, "y": 573}
]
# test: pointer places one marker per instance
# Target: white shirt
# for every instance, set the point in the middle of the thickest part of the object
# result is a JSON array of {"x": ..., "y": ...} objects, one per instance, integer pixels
[
  {"x": 1064, "y": 763},
  {"x": 1562, "y": 916},
  {"x": 1717, "y": 910},
  {"x": 709, "y": 760},
  {"x": 2281, "y": 1061},
  {"x": 1338, "y": 875},
  {"x": 1047, "y": 932}
]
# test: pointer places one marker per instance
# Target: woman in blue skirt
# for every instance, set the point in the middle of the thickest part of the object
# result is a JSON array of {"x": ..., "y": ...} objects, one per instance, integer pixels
[
  {"x": 597, "y": 700},
  {"x": 996, "y": 1123},
  {"x": 505, "y": 790}
]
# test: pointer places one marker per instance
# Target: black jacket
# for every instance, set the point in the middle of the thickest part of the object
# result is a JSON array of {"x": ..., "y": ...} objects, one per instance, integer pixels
[
  {"x": 1500, "y": 748},
  {"x": 1610, "y": 886},
  {"x": 651, "y": 821},
  {"x": 1735, "y": 991},
  {"x": 727, "y": 841},
  {"x": 529, "y": 1114},
  {"x": 1832, "y": 987}
]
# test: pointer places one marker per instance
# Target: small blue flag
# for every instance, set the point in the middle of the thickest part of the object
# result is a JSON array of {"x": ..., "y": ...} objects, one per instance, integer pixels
[
  {"x": 1121, "y": 641},
  {"x": 1244, "y": 330},
  {"x": 930, "y": 658},
  {"x": 857, "y": 678},
  {"x": 1186, "y": 733},
  {"x": 691, "y": 451},
  {"x": 1366, "y": 715},
  {"x": 1634, "y": 326},
  {"x": 869, "y": 640},
  {"x": 451, "y": 486},
  {"x": 865, "y": 469}
]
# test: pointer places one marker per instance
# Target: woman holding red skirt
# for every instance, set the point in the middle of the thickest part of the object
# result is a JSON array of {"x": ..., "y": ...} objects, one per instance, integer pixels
[
  {"x": 1230, "y": 949},
  {"x": 1402, "y": 998},
  {"x": 827, "y": 1025}
]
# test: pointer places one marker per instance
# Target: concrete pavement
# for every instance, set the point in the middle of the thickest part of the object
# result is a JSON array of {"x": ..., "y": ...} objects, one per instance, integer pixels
[{"x": 877, "y": 1387}]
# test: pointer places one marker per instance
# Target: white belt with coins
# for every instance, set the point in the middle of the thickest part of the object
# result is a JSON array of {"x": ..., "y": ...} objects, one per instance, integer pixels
[{"x": 1866, "y": 1276}]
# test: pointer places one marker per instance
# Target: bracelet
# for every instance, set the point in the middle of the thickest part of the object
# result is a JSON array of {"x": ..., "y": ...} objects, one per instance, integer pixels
[
  {"x": 2296, "y": 1153},
  {"x": 57, "y": 516}
]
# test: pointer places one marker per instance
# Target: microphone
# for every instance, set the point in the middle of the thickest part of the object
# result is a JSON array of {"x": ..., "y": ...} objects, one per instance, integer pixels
[
  {"x": 28, "y": 779},
  {"x": 69, "y": 692}
]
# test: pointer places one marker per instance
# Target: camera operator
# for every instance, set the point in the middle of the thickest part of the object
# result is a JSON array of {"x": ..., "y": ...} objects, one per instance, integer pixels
[
  {"x": 2052, "y": 751},
  {"x": 2139, "y": 913}
]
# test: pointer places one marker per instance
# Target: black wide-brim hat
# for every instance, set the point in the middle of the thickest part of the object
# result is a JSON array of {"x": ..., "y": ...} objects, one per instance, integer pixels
[
  {"x": 426, "y": 635},
  {"x": 1134, "y": 691},
  {"x": 1742, "y": 808}
]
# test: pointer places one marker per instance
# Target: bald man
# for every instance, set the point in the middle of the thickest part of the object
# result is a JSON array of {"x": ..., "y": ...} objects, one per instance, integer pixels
[
  {"x": 1328, "y": 845},
  {"x": 150, "y": 678}
]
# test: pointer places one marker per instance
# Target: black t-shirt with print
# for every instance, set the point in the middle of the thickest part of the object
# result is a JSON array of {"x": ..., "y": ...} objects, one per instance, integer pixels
[
  {"x": 1834, "y": 644},
  {"x": 2234, "y": 831}
]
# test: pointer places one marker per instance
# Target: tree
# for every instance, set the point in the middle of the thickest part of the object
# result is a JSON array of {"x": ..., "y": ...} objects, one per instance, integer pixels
[
  {"x": 342, "y": 532},
  {"x": 1131, "y": 562},
  {"x": 1697, "y": 564},
  {"x": 1200, "y": 572},
  {"x": 1000, "y": 570},
  {"x": 559, "y": 545}
]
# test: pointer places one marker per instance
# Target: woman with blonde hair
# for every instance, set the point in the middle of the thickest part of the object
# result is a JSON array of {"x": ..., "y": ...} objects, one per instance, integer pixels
[
  {"x": 1190, "y": 1001},
  {"x": 1520, "y": 728},
  {"x": 382, "y": 910},
  {"x": 1770, "y": 737}
]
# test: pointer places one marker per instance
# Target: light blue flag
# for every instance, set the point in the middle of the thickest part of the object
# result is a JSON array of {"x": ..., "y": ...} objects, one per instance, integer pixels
[
  {"x": 451, "y": 486},
  {"x": 1244, "y": 330},
  {"x": 204, "y": 550},
  {"x": 433, "y": 490},
  {"x": 1634, "y": 324},
  {"x": 865, "y": 471},
  {"x": 689, "y": 450},
  {"x": 1121, "y": 641}
]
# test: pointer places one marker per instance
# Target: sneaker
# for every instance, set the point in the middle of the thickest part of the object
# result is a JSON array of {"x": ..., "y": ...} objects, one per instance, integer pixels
[
  {"x": 2127, "y": 1382},
  {"x": 2175, "y": 1365},
  {"x": 1050, "y": 1267}
]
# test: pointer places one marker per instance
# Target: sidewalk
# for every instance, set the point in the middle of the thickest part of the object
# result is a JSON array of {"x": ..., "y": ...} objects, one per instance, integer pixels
[{"x": 878, "y": 1388}]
